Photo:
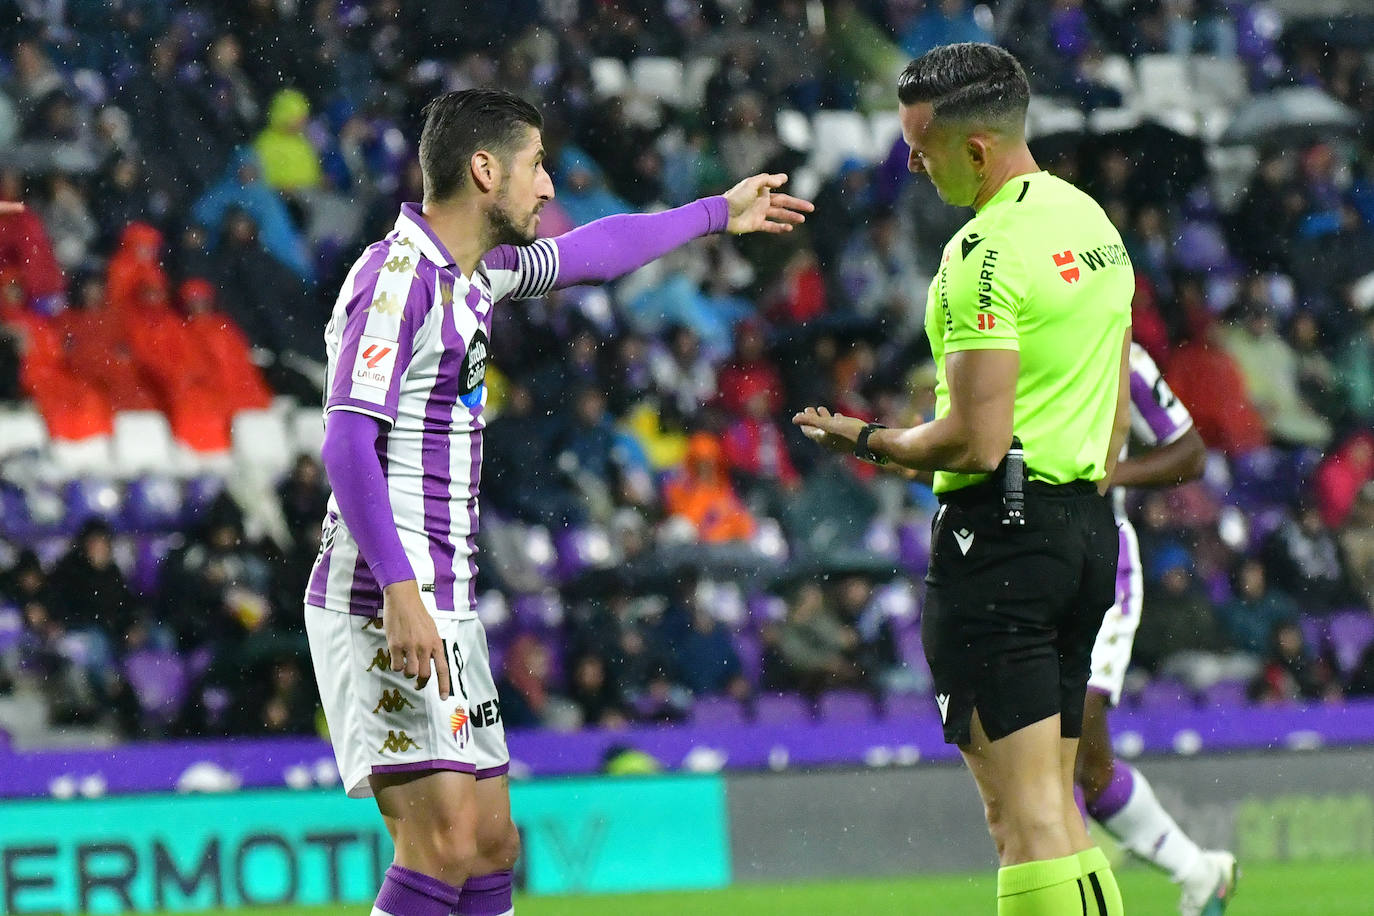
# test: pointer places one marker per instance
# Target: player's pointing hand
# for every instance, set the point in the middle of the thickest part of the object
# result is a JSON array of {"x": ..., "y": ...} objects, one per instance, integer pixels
[
  {"x": 412, "y": 637},
  {"x": 756, "y": 206}
]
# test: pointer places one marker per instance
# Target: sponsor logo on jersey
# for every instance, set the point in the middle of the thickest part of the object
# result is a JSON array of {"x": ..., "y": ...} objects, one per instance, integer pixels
[
  {"x": 1068, "y": 270},
  {"x": 398, "y": 743},
  {"x": 473, "y": 373},
  {"x": 392, "y": 701},
  {"x": 985, "y": 277}
]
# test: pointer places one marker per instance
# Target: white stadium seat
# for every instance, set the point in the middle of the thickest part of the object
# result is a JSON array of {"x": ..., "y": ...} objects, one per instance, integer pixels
[
  {"x": 142, "y": 443},
  {"x": 261, "y": 441},
  {"x": 659, "y": 78},
  {"x": 609, "y": 76},
  {"x": 794, "y": 130},
  {"x": 307, "y": 431},
  {"x": 886, "y": 130},
  {"x": 81, "y": 457},
  {"x": 839, "y": 135},
  {"x": 1219, "y": 81},
  {"x": 1164, "y": 82},
  {"x": 22, "y": 430},
  {"x": 696, "y": 75}
]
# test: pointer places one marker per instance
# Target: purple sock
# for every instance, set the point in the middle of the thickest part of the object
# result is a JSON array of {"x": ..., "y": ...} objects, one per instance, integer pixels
[
  {"x": 1114, "y": 797},
  {"x": 409, "y": 893},
  {"x": 486, "y": 895}
]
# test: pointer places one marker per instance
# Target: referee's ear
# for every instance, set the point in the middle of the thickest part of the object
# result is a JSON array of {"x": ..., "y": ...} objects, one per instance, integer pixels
[{"x": 485, "y": 170}]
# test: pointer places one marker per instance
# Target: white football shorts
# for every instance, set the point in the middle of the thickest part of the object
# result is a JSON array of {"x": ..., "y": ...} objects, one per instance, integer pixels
[
  {"x": 379, "y": 723},
  {"x": 1112, "y": 650}
]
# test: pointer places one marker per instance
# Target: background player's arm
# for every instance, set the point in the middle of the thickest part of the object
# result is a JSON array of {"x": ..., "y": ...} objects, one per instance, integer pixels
[
  {"x": 1121, "y": 423},
  {"x": 359, "y": 484},
  {"x": 1178, "y": 462}
]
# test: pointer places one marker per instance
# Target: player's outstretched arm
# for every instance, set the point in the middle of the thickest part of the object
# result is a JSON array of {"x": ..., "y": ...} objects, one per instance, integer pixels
[
  {"x": 355, "y": 475},
  {"x": 613, "y": 246}
]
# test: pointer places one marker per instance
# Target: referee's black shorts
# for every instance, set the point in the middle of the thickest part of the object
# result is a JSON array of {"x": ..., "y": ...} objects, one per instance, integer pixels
[{"x": 1011, "y": 614}]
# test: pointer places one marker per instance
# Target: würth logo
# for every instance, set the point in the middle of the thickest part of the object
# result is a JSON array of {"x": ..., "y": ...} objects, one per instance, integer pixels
[
  {"x": 374, "y": 355},
  {"x": 1065, "y": 261}
]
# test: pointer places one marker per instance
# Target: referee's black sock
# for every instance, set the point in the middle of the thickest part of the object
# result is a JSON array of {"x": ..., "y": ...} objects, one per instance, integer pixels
[{"x": 1101, "y": 896}]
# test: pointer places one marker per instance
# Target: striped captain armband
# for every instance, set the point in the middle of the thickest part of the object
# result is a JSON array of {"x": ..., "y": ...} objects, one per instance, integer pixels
[{"x": 537, "y": 265}]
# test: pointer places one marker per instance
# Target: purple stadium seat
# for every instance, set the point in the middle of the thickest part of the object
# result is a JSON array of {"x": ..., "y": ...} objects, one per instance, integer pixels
[
  {"x": 1351, "y": 632},
  {"x": 1314, "y": 632},
  {"x": 845, "y": 706},
  {"x": 715, "y": 712},
  {"x": 1225, "y": 695},
  {"x": 909, "y": 646},
  {"x": 149, "y": 552},
  {"x": 765, "y": 608},
  {"x": 158, "y": 679},
  {"x": 1163, "y": 693},
  {"x": 538, "y": 611},
  {"x": 91, "y": 497},
  {"x": 913, "y": 547},
  {"x": 781, "y": 709},
  {"x": 908, "y": 707},
  {"x": 750, "y": 656},
  {"x": 14, "y": 515},
  {"x": 200, "y": 493},
  {"x": 152, "y": 503}
]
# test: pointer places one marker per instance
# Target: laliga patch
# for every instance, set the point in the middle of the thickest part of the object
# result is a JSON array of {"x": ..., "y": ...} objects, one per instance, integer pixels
[{"x": 375, "y": 362}]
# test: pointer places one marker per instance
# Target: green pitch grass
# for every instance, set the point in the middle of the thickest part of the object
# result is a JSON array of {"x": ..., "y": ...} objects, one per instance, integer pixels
[{"x": 1269, "y": 890}]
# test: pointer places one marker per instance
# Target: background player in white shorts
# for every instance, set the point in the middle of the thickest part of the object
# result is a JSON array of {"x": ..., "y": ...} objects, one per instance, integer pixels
[
  {"x": 1117, "y": 796},
  {"x": 391, "y": 598}
]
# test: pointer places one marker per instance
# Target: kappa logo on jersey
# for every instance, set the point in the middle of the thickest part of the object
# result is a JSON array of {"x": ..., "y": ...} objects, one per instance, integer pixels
[
  {"x": 375, "y": 362},
  {"x": 385, "y": 303},
  {"x": 942, "y": 701},
  {"x": 398, "y": 743},
  {"x": 970, "y": 242},
  {"x": 1068, "y": 270},
  {"x": 398, "y": 263},
  {"x": 392, "y": 701},
  {"x": 474, "y": 371}
]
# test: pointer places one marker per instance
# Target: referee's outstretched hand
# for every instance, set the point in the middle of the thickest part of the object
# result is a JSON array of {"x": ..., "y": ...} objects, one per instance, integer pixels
[
  {"x": 755, "y": 206},
  {"x": 835, "y": 431},
  {"x": 412, "y": 638}
]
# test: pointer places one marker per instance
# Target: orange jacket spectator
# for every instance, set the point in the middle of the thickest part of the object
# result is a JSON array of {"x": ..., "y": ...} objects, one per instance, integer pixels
[
  {"x": 72, "y": 408},
  {"x": 134, "y": 265},
  {"x": 25, "y": 247},
  {"x": 98, "y": 351},
  {"x": 223, "y": 347},
  {"x": 701, "y": 493}
]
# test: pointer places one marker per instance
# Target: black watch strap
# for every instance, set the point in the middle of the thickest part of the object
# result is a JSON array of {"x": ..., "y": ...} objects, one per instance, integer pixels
[{"x": 861, "y": 449}]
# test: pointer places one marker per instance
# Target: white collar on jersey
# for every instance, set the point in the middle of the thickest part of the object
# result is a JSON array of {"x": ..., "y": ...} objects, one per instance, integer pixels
[{"x": 411, "y": 225}]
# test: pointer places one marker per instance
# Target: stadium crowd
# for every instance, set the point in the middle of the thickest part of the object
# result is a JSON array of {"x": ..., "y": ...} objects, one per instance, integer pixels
[{"x": 198, "y": 176}]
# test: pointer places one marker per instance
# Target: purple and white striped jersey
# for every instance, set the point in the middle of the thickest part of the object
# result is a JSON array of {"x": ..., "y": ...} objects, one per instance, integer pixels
[
  {"x": 408, "y": 343},
  {"x": 1157, "y": 416}
]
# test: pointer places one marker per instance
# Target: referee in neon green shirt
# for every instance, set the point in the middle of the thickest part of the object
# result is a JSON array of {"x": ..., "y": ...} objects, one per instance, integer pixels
[{"x": 1029, "y": 323}]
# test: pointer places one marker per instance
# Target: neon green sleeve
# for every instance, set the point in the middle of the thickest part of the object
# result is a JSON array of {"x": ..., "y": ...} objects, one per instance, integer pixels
[{"x": 986, "y": 283}]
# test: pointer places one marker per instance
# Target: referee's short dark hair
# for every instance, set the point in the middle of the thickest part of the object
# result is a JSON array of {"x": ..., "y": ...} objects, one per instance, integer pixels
[
  {"x": 459, "y": 123},
  {"x": 970, "y": 81}
]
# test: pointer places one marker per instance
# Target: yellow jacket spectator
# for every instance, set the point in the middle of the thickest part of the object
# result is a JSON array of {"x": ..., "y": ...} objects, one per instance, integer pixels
[{"x": 289, "y": 162}]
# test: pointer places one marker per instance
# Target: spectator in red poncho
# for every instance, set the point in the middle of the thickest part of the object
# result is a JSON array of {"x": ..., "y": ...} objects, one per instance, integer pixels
[
  {"x": 1207, "y": 379},
  {"x": 98, "y": 351},
  {"x": 72, "y": 408},
  {"x": 186, "y": 383},
  {"x": 25, "y": 247},
  {"x": 748, "y": 371},
  {"x": 755, "y": 451},
  {"x": 800, "y": 293},
  {"x": 1340, "y": 476},
  {"x": 136, "y": 264},
  {"x": 223, "y": 346}
]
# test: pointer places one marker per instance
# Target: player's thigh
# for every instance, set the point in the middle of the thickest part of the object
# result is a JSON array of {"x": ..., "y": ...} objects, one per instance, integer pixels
[
  {"x": 432, "y": 816},
  {"x": 497, "y": 837},
  {"x": 1115, "y": 639}
]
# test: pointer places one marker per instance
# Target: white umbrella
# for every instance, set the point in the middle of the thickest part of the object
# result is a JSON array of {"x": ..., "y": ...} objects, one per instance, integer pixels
[{"x": 1290, "y": 116}]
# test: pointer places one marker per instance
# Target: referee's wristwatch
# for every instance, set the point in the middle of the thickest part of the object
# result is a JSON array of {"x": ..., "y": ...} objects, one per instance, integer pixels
[{"x": 861, "y": 449}]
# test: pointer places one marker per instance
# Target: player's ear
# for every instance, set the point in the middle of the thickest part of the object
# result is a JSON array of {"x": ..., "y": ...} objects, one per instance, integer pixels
[
  {"x": 485, "y": 169},
  {"x": 977, "y": 148}
]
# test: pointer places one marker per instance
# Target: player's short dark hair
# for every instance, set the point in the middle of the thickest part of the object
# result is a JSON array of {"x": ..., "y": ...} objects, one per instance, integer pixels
[
  {"x": 458, "y": 124},
  {"x": 970, "y": 81}
]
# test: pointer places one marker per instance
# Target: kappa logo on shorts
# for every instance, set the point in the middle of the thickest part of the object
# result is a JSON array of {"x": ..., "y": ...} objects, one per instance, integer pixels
[
  {"x": 392, "y": 701},
  {"x": 942, "y": 701},
  {"x": 374, "y": 623},
  {"x": 381, "y": 660},
  {"x": 965, "y": 539},
  {"x": 398, "y": 742}
]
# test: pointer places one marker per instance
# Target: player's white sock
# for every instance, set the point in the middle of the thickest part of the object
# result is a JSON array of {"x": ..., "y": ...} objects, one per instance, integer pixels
[{"x": 1146, "y": 829}]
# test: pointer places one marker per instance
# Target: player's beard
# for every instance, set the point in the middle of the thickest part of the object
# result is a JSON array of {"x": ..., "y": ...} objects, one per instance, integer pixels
[{"x": 504, "y": 230}]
